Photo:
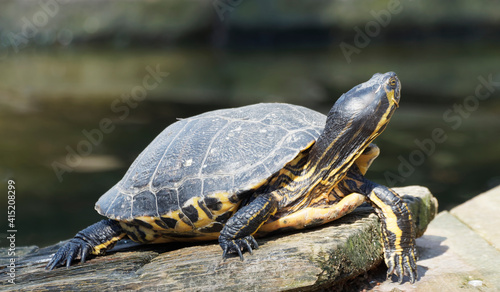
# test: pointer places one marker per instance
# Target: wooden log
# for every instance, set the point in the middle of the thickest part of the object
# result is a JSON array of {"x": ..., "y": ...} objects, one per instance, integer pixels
[{"x": 305, "y": 260}]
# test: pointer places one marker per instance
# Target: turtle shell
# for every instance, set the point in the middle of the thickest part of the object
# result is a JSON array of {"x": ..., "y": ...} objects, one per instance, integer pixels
[{"x": 226, "y": 151}]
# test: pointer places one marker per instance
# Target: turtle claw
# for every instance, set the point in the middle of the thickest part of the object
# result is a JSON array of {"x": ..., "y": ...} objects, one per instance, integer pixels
[
  {"x": 240, "y": 254},
  {"x": 237, "y": 245},
  {"x": 401, "y": 263},
  {"x": 67, "y": 253}
]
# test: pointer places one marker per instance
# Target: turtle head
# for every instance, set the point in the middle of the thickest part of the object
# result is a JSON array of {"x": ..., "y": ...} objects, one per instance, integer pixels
[
  {"x": 367, "y": 107},
  {"x": 369, "y": 100},
  {"x": 381, "y": 89}
]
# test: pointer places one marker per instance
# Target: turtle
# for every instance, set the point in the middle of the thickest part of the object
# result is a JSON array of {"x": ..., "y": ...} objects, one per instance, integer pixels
[{"x": 236, "y": 174}]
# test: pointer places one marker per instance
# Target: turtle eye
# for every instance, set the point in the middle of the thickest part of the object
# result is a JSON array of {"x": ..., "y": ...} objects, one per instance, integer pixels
[{"x": 393, "y": 82}]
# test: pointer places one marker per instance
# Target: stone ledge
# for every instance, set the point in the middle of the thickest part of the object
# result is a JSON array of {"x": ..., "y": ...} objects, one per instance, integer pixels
[{"x": 482, "y": 214}]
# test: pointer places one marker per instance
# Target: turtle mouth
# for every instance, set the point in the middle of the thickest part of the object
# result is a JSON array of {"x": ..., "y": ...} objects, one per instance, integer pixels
[
  {"x": 397, "y": 95},
  {"x": 395, "y": 101},
  {"x": 392, "y": 98}
]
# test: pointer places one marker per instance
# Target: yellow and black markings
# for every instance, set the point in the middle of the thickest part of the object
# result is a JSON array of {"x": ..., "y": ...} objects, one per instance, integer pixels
[
  {"x": 198, "y": 219},
  {"x": 101, "y": 248}
]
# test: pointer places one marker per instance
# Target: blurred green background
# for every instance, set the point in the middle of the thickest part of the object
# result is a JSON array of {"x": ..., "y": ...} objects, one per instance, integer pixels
[{"x": 66, "y": 67}]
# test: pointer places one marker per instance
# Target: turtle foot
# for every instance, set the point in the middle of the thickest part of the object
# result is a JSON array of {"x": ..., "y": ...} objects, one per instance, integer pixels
[
  {"x": 230, "y": 245},
  {"x": 95, "y": 239},
  {"x": 401, "y": 263},
  {"x": 73, "y": 249}
]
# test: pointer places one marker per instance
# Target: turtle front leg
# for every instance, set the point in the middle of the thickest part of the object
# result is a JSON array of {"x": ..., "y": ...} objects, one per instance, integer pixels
[
  {"x": 237, "y": 234},
  {"x": 400, "y": 254},
  {"x": 95, "y": 239}
]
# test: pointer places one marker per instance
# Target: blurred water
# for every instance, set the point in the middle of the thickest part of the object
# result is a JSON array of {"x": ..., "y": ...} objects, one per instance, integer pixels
[{"x": 80, "y": 102}]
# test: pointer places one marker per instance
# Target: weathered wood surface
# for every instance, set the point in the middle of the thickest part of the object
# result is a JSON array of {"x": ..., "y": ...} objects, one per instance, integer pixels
[{"x": 305, "y": 260}]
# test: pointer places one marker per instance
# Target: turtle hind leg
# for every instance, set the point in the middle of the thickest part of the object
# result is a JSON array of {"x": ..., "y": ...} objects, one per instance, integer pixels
[{"x": 95, "y": 239}]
